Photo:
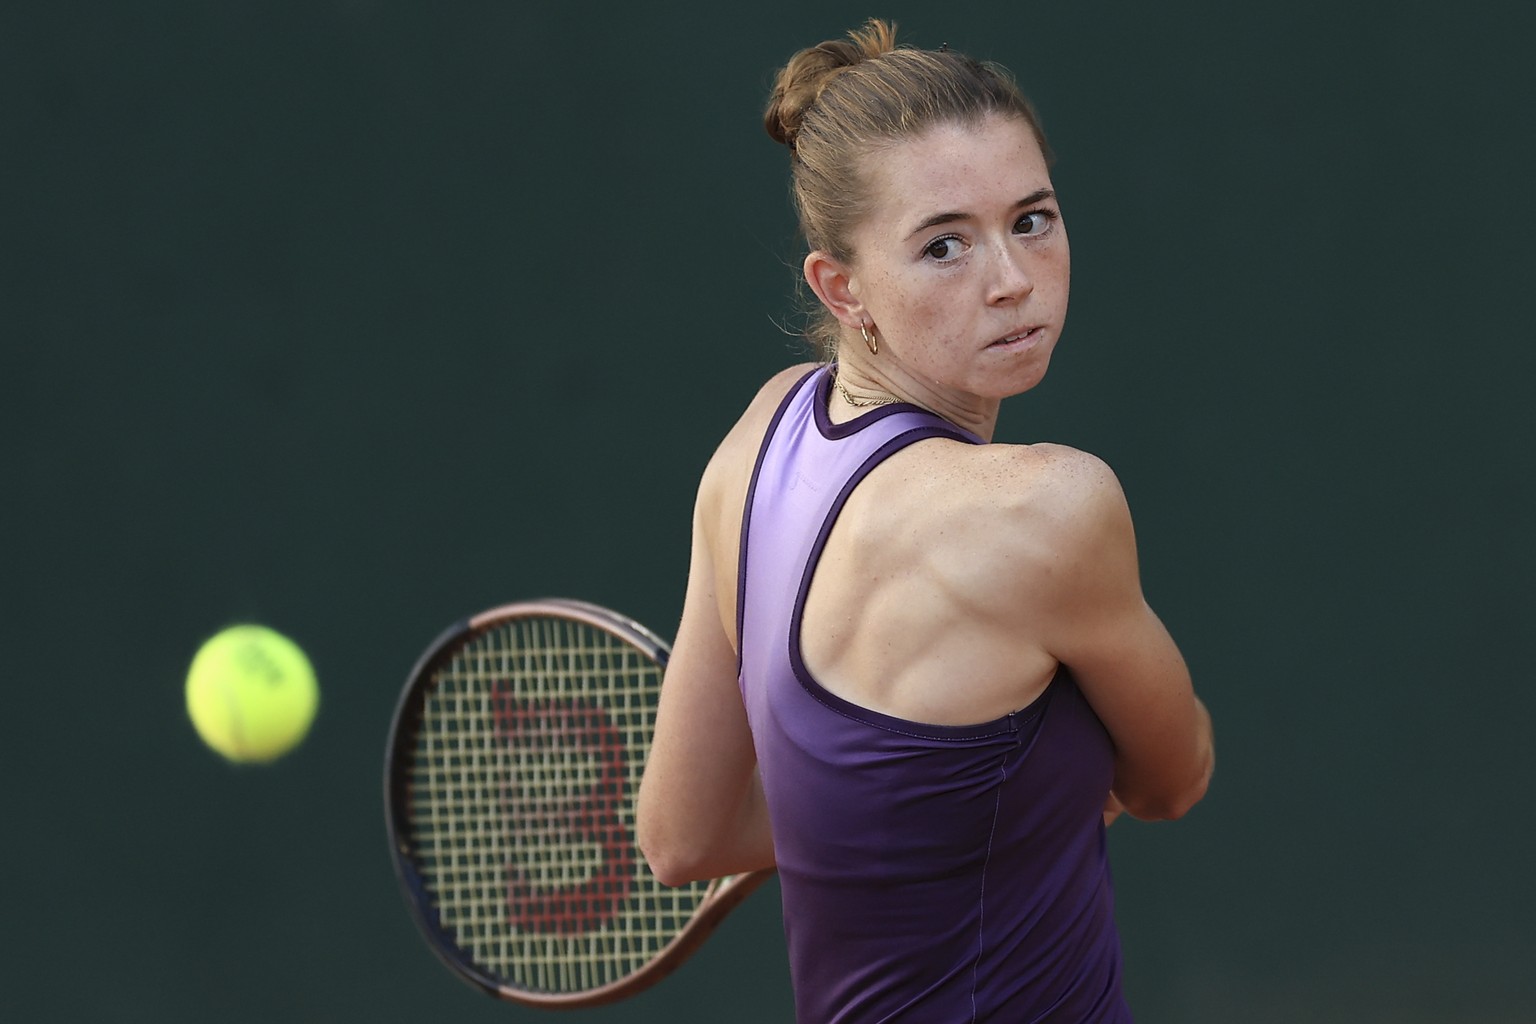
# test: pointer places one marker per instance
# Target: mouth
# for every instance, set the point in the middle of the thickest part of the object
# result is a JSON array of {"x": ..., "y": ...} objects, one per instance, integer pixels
[{"x": 1020, "y": 339}]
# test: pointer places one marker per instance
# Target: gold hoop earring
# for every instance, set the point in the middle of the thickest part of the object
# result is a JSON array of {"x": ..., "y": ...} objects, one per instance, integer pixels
[{"x": 870, "y": 341}]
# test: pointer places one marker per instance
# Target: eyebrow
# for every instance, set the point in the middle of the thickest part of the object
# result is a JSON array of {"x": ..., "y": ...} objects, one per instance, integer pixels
[{"x": 1034, "y": 197}]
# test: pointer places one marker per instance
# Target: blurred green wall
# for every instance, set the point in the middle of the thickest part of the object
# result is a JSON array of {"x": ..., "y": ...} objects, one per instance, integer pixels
[{"x": 354, "y": 317}]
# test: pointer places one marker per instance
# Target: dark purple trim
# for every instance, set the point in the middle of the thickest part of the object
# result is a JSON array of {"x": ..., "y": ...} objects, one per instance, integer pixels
[
  {"x": 1007, "y": 723},
  {"x": 746, "y": 511},
  {"x": 834, "y": 431}
]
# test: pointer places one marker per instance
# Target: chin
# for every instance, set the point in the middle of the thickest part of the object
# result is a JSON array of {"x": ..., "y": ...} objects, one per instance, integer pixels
[{"x": 1026, "y": 379}]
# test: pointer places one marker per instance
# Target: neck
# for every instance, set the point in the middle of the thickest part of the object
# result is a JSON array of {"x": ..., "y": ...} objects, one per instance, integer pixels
[{"x": 858, "y": 386}]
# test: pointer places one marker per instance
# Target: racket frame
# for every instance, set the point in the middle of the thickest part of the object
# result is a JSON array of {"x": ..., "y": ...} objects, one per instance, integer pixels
[{"x": 720, "y": 897}]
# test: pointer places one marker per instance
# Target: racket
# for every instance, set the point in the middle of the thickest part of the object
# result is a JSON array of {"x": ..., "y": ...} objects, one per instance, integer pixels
[{"x": 510, "y": 778}]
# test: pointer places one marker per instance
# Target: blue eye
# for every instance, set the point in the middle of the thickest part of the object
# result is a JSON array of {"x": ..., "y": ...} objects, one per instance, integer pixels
[
  {"x": 943, "y": 249},
  {"x": 1035, "y": 222}
]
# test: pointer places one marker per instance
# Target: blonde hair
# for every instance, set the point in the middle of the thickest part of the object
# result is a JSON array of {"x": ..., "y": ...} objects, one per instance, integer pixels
[{"x": 834, "y": 103}]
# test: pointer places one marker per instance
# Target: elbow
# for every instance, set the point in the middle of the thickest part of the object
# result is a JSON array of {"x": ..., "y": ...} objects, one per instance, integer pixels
[
  {"x": 1160, "y": 808},
  {"x": 679, "y": 859},
  {"x": 667, "y": 870},
  {"x": 669, "y": 861},
  {"x": 1170, "y": 804},
  {"x": 672, "y": 870},
  {"x": 658, "y": 840},
  {"x": 1182, "y": 803},
  {"x": 682, "y": 843}
]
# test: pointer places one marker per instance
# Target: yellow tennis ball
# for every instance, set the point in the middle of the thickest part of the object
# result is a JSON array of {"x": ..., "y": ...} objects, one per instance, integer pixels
[{"x": 251, "y": 693}]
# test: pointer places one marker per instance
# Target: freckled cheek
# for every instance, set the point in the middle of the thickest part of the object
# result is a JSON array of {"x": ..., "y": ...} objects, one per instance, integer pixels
[
  {"x": 1054, "y": 278},
  {"x": 923, "y": 317}
]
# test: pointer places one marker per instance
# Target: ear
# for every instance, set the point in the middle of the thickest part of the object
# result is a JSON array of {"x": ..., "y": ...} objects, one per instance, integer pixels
[{"x": 833, "y": 283}]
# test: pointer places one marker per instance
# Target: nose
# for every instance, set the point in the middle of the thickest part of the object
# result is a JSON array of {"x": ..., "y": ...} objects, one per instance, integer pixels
[{"x": 1011, "y": 280}]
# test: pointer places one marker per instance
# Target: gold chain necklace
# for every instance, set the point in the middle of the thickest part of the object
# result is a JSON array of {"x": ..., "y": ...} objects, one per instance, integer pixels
[{"x": 859, "y": 403}]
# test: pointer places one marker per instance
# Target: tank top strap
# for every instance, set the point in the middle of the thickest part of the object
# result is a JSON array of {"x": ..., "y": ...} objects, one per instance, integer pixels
[{"x": 806, "y": 468}]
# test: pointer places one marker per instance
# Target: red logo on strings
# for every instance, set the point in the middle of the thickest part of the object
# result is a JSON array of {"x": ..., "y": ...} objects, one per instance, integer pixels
[{"x": 574, "y": 863}]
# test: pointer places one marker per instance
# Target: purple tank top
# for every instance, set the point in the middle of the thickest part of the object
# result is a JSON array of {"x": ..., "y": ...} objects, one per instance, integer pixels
[{"x": 930, "y": 874}]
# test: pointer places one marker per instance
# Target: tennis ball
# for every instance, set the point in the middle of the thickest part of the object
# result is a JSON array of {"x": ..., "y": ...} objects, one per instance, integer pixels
[{"x": 251, "y": 693}]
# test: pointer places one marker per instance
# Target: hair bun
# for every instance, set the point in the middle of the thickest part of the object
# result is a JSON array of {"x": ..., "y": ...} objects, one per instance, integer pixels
[{"x": 801, "y": 81}]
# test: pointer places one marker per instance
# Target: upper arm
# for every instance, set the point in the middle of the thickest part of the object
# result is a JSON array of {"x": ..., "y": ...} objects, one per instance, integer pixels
[
  {"x": 700, "y": 812},
  {"x": 1098, "y": 624}
]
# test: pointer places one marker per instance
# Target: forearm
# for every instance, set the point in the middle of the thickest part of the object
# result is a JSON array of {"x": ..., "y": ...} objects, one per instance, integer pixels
[
  {"x": 688, "y": 838},
  {"x": 1171, "y": 800}
]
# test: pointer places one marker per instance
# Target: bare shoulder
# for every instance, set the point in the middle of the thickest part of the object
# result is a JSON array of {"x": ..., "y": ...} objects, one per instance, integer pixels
[
  {"x": 1008, "y": 525},
  {"x": 763, "y": 405},
  {"x": 1041, "y": 483},
  {"x": 721, "y": 498},
  {"x": 1064, "y": 486},
  {"x": 1064, "y": 506},
  {"x": 738, "y": 449}
]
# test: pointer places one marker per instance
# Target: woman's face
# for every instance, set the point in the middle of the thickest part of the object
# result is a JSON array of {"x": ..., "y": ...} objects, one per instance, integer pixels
[{"x": 963, "y": 263}]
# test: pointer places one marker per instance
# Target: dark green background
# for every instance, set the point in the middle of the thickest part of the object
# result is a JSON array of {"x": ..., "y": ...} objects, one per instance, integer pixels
[{"x": 354, "y": 317}]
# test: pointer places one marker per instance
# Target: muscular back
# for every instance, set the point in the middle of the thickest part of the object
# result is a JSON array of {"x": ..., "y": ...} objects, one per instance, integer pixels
[
  {"x": 954, "y": 582},
  {"x": 923, "y": 604},
  {"x": 906, "y": 612}
]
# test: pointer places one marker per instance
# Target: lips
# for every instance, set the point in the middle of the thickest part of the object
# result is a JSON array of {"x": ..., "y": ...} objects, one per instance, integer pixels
[{"x": 1028, "y": 335}]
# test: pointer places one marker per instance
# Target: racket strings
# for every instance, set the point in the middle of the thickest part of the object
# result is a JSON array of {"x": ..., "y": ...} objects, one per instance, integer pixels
[{"x": 528, "y": 759}]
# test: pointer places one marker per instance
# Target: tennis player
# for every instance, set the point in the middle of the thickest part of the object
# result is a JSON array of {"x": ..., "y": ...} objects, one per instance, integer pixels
[{"x": 915, "y": 669}]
